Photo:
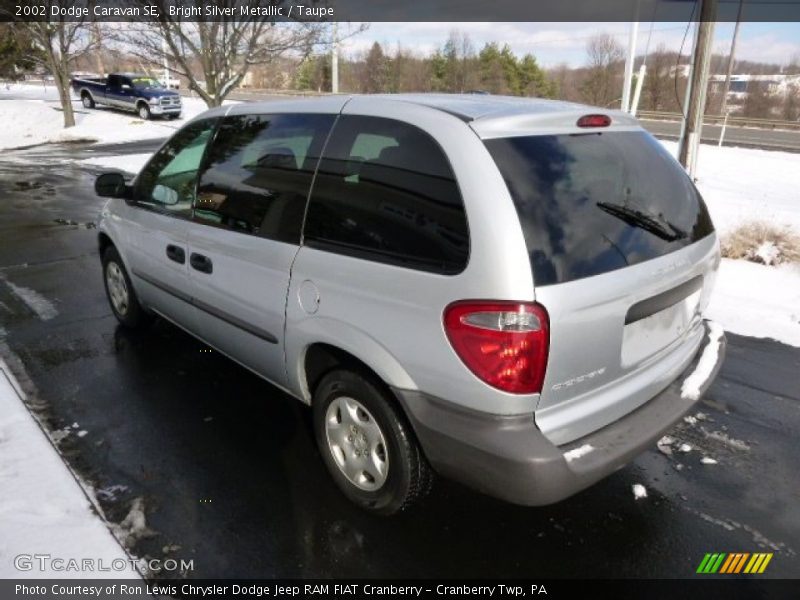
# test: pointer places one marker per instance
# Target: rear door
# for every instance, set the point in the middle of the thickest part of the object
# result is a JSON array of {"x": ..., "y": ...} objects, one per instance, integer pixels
[
  {"x": 623, "y": 255},
  {"x": 245, "y": 232},
  {"x": 157, "y": 221}
]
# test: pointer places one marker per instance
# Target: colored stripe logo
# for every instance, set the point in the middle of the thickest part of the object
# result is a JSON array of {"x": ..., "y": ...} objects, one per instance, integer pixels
[{"x": 734, "y": 563}]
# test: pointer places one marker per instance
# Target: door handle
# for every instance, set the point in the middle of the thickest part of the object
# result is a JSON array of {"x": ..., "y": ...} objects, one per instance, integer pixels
[
  {"x": 201, "y": 263},
  {"x": 176, "y": 253}
]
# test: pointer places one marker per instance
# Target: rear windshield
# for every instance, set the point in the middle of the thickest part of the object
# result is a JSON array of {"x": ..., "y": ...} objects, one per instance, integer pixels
[{"x": 593, "y": 203}]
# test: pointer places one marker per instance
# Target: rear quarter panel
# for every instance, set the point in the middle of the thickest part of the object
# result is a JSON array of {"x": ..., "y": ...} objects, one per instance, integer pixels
[{"x": 391, "y": 317}]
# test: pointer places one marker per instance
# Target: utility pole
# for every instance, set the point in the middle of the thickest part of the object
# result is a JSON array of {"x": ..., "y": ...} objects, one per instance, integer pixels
[
  {"x": 335, "y": 59},
  {"x": 693, "y": 127},
  {"x": 731, "y": 60}
]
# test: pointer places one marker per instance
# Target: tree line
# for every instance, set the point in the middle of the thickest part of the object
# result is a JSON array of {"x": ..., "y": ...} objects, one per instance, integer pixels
[{"x": 214, "y": 59}]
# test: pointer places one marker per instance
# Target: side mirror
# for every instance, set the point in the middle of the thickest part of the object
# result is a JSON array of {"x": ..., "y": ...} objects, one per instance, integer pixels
[
  {"x": 111, "y": 185},
  {"x": 164, "y": 195}
]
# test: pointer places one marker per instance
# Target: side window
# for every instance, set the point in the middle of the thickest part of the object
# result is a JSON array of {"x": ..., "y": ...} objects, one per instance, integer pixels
[
  {"x": 258, "y": 173},
  {"x": 385, "y": 191},
  {"x": 168, "y": 181}
]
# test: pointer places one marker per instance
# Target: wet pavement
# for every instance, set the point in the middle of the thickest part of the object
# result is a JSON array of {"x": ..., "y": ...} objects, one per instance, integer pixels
[{"x": 227, "y": 471}]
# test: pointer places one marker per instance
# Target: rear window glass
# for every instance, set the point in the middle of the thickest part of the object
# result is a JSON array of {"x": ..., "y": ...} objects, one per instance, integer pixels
[{"x": 593, "y": 203}]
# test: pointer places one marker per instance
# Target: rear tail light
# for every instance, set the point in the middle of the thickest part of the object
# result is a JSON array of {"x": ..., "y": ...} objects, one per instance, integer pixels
[
  {"x": 504, "y": 343},
  {"x": 594, "y": 121}
]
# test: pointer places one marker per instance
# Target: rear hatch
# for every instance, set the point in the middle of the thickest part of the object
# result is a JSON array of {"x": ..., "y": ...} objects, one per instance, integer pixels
[{"x": 623, "y": 255}]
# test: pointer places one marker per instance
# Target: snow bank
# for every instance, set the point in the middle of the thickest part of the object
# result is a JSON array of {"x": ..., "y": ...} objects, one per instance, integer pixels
[
  {"x": 705, "y": 366},
  {"x": 744, "y": 184},
  {"x": 130, "y": 163},
  {"x": 47, "y": 513},
  {"x": 757, "y": 300},
  {"x": 32, "y": 115}
]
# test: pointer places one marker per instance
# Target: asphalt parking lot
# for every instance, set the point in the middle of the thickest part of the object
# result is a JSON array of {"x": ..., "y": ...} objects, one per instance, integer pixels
[{"x": 226, "y": 471}]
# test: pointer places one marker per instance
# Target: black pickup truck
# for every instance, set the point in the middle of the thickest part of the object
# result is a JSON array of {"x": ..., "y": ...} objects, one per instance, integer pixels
[{"x": 138, "y": 93}]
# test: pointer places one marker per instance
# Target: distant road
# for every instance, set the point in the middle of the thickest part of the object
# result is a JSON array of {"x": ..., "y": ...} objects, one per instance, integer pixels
[{"x": 767, "y": 139}]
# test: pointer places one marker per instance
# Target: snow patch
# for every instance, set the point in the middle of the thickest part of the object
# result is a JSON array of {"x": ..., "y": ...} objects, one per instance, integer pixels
[
  {"x": 768, "y": 253},
  {"x": 665, "y": 444},
  {"x": 707, "y": 460},
  {"x": 690, "y": 420},
  {"x": 639, "y": 491},
  {"x": 690, "y": 389},
  {"x": 134, "y": 526},
  {"x": 745, "y": 184},
  {"x": 37, "y": 119},
  {"x": 576, "y": 453},
  {"x": 724, "y": 438},
  {"x": 110, "y": 492},
  {"x": 43, "y": 508},
  {"x": 40, "y": 305},
  {"x": 685, "y": 448},
  {"x": 757, "y": 300},
  {"x": 130, "y": 163}
]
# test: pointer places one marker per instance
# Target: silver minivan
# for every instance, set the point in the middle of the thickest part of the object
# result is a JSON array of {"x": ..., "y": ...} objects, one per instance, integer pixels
[{"x": 507, "y": 292}]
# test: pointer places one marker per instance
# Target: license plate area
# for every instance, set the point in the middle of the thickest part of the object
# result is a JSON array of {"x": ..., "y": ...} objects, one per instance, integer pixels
[{"x": 649, "y": 335}]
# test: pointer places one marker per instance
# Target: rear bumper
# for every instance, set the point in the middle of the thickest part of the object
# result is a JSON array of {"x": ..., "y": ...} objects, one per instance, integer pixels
[{"x": 509, "y": 458}]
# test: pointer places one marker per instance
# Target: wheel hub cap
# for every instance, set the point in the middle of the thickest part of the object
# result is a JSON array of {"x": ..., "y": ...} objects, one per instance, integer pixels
[
  {"x": 357, "y": 443},
  {"x": 117, "y": 288}
]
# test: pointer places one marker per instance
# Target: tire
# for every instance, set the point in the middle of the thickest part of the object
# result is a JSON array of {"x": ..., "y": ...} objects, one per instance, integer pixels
[
  {"x": 87, "y": 100},
  {"x": 359, "y": 428},
  {"x": 143, "y": 111},
  {"x": 120, "y": 293}
]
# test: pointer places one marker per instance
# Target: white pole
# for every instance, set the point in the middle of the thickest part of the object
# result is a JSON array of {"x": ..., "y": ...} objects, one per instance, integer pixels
[
  {"x": 638, "y": 91},
  {"x": 626, "y": 86},
  {"x": 335, "y": 59},
  {"x": 724, "y": 125},
  {"x": 166, "y": 65}
]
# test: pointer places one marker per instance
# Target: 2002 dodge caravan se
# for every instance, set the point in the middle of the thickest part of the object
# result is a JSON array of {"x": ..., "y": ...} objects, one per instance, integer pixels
[{"x": 506, "y": 291}]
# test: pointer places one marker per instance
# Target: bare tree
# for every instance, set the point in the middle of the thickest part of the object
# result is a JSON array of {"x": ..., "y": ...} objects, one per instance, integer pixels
[
  {"x": 215, "y": 56},
  {"x": 760, "y": 102},
  {"x": 605, "y": 57},
  {"x": 658, "y": 85},
  {"x": 791, "y": 102},
  {"x": 58, "y": 44}
]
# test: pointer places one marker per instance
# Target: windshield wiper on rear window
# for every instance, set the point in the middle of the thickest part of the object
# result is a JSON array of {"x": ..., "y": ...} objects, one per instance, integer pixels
[{"x": 637, "y": 218}]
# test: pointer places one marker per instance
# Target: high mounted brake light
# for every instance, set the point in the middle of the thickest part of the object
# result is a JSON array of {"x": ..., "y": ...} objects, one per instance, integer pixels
[
  {"x": 505, "y": 344},
  {"x": 594, "y": 121}
]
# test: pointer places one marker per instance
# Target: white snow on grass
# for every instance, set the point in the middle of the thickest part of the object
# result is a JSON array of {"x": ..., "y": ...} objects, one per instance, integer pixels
[
  {"x": 32, "y": 115},
  {"x": 693, "y": 384},
  {"x": 757, "y": 300},
  {"x": 43, "y": 509},
  {"x": 130, "y": 163},
  {"x": 745, "y": 184}
]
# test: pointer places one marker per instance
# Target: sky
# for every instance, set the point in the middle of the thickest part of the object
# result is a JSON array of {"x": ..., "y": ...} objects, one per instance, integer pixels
[{"x": 556, "y": 43}]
